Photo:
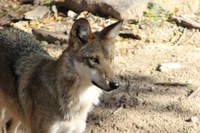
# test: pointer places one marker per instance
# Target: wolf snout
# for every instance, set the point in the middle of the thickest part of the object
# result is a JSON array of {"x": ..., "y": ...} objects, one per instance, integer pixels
[{"x": 113, "y": 85}]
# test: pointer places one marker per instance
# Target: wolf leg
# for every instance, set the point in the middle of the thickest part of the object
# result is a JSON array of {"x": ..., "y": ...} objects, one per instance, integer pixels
[
  {"x": 13, "y": 124},
  {"x": 2, "y": 115}
]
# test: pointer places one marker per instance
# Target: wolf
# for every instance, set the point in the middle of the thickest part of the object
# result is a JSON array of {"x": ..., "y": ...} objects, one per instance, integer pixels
[{"x": 52, "y": 95}]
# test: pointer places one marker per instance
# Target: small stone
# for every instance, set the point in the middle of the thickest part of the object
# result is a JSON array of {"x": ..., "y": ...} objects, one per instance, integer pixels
[
  {"x": 82, "y": 14},
  {"x": 22, "y": 25},
  {"x": 54, "y": 9},
  {"x": 165, "y": 67},
  {"x": 99, "y": 123},
  {"x": 132, "y": 21},
  {"x": 140, "y": 101},
  {"x": 152, "y": 88},
  {"x": 72, "y": 14},
  {"x": 44, "y": 43},
  {"x": 193, "y": 119},
  {"x": 148, "y": 72},
  {"x": 189, "y": 82}
]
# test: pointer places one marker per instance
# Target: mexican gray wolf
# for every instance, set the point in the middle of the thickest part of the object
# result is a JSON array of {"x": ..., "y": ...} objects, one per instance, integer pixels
[{"x": 52, "y": 95}]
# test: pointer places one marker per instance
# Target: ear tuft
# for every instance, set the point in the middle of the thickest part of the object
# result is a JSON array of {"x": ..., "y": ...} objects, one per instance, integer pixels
[
  {"x": 111, "y": 31},
  {"x": 81, "y": 29}
]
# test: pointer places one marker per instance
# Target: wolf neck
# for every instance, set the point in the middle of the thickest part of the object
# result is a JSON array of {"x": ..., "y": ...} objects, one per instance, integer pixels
[{"x": 74, "y": 93}]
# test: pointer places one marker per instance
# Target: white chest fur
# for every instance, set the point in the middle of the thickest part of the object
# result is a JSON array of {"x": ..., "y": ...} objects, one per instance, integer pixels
[
  {"x": 90, "y": 96},
  {"x": 68, "y": 127},
  {"x": 79, "y": 108}
]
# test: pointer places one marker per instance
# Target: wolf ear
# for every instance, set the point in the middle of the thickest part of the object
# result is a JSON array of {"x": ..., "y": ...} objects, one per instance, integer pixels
[
  {"x": 80, "y": 31},
  {"x": 111, "y": 31}
]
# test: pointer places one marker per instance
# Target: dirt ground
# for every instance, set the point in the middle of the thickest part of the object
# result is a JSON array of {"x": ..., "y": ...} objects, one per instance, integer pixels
[
  {"x": 159, "y": 78},
  {"x": 147, "y": 100},
  {"x": 150, "y": 100}
]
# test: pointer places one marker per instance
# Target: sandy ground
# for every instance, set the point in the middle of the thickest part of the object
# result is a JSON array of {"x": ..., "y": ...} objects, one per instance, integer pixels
[{"x": 149, "y": 100}]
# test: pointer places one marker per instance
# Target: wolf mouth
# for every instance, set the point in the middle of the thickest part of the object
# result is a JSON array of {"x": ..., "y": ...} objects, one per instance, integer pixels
[{"x": 94, "y": 83}]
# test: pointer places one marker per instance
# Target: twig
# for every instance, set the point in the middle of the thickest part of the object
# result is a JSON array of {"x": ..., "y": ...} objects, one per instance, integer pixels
[
  {"x": 185, "y": 21},
  {"x": 117, "y": 110},
  {"x": 181, "y": 37},
  {"x": 194, "y": 93},
  {"x": 114, "y": 112},
  {"x": 172, "y": 84},
  {"x": 189, "y": 39}
]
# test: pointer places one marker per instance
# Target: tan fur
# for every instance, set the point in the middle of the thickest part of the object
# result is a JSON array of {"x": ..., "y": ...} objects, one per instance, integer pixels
[{"x": 55, "y": 96}]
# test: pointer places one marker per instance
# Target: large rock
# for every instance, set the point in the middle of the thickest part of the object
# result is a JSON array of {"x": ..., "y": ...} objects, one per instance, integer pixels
[
  {"x": 38, "y": 13},
  {"x": 121, "y": 9},
  {"x": 124, "y": 9}
]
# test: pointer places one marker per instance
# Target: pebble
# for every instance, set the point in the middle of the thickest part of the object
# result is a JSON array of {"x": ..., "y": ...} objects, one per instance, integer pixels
[
  {"x": 44, "y": 43},
  {"x": 54, "y": 9},
  {"x": 22, "y": 25},
  {"x": 193, "y": 119},
  {"x": 165, "y": 67},
  {"x": 189, "y": 82},
  {"x": 72, "y": 14}
]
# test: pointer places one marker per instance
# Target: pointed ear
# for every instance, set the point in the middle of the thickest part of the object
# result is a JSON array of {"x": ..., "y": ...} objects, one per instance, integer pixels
[
  {"x": 80, "y": 33},
  {"x": 111, "y": 31}
]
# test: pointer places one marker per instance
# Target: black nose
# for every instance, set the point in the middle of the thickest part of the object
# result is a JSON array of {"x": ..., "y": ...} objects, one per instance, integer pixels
[{"x": 113, "y": 85}]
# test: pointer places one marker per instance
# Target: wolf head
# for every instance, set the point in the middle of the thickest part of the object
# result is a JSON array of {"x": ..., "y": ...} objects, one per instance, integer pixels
[{"x": 93, "y": 53}]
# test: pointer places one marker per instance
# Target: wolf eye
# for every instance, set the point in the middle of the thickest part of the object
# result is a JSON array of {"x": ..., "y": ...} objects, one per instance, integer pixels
[{"x": 94, "y": 60}]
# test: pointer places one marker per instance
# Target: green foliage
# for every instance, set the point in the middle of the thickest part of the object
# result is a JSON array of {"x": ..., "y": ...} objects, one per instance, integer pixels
[
  {"x": 48, "y": 2},
  {"x": 156, "y": 14}
]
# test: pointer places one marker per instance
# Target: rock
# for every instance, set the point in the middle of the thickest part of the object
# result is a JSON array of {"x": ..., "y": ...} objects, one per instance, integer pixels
[
  {"x": 37, "y": 13},
  {"x": 44, "y": 43},
  {"x": 193, "y": 119},
  {"x": 72, "y": 14},
  {"x": 58, "y": 27},
  {"x": 23, "y": 25},
  {"x": 189, "y": 81},
  {"x": 50, "y": 37},
  {"x": 20, "y": 24},
  {"x": 129, "y": 9},
  {"x": 55, "y": 10},
  {"x": 11, "y": 13},
  {"x": 165, "y": 67}
]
